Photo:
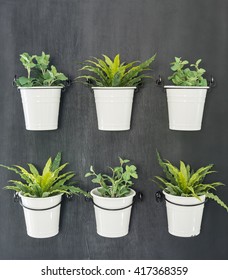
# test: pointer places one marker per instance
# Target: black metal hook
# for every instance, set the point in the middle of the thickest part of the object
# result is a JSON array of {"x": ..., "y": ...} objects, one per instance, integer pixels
[
  {"x": 14, "y": 84},
  {"x": 69, "y": 196},
  {"x": 139, "y": 196},
  {"x": 159, "y": 82},
  {"x": 159, "y": 196},
  {"x": 16, "y": 197},
  {"x": 211, "y": 83},
  {"x": 67, "y": 83}
]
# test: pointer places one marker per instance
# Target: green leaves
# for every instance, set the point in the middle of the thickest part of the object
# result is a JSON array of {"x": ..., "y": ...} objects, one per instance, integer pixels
[
  {"x": 53, "y": 78},
  {"x": 50, "y": 183},
  {"x": 43, "y": 76},
  {"x": 107, "y": 73},
  {"x": 42, "y": 62},
  {"x": 184, "y": 76},
  {"x": 184, "y": 182},
  {"x": 118, "y": 184},
  {"x": 217, "y": 199}
]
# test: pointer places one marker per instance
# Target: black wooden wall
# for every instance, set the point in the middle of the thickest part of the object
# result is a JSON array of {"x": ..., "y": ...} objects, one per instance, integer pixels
[{"x": 71, "y": 31}]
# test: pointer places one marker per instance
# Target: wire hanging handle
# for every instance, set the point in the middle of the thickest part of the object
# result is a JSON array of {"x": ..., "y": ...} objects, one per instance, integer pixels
[
  {"x": 138, "y": 197},
  {"x": 211, "y": 83},
  {"x": 17, "y": 198},
  {"x": 160, "y": 197}
]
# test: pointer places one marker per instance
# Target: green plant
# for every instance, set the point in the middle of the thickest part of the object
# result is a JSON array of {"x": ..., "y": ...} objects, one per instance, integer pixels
[
  {"x": 108, "y": 73},
  {"x": 119, "y": 183},
  {"x": 42, "y": 74},
  {"x": 185, "y": 182},
  {"x": 49, "y": 183},
  {"x": 184, "y": 76}
]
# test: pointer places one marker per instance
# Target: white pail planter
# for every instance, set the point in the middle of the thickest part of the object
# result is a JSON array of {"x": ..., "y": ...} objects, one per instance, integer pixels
[
  {"x": 112, "y": 223},
  {"x": 184, "y": 221},
  {"x": 41, "y": 223},
  {"x": 185, "y": 107},
  {"x": 41, "y": 107},
  {"x": 114, "y": 106}
]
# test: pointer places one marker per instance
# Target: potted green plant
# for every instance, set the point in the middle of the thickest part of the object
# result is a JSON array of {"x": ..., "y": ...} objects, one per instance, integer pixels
[
  {"x": 187, "y": 96},
  {"x": 185, "y": 193},
  {"x": 40, "y": 92},
  {"x": 113, "y": 84},
  {"x": 113, "y": 199},
  {"x": 41, "y": 194}
]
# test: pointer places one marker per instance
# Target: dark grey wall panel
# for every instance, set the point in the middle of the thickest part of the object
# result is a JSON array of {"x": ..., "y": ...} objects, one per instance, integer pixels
[{"x": 71, "y": 31}]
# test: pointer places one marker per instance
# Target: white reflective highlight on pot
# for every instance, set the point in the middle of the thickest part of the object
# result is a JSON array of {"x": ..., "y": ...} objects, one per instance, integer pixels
[
  {"x": 114, "y": 106},
  {"x": 41, "y": 107},
  {"x": 185, "y": 107},
  {"x": 112, "y": 223},
  {"x": 184, "y": 221},
  {"x": 42, "y": 224}
]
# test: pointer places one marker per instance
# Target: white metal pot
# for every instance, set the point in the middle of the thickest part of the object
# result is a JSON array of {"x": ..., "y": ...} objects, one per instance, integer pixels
[
  {"x": 112, "y": 223},
  {"x": 41, "y": 223},
  {"x": 184, "y": 221},
  {"x": 185, "y": 107},
  {"x": 114, "y": 106},
  {"x": 41, "y": 107}
]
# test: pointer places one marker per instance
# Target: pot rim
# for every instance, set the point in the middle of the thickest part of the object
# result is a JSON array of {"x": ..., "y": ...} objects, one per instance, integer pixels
[
  {"x": 186, "y": 87},
  {"x": 37, "y": 198},
  {"x": 182, "y": 197},
  {"x": 131, "y": 194},
  {"x": 44, "y": 87},
  {"x": 113, "y": 88}
]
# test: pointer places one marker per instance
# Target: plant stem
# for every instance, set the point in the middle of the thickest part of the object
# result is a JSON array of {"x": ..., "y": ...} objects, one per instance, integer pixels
[{"x": 29, "y": 71}]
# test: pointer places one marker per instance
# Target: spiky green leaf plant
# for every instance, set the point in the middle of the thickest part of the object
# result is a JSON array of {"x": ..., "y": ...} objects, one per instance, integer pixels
[
  {"x": 114, "y": 73},
  {"x": 183, "y": 181},
  {"x": 42, "y": 75},
  {"x": 185, "y": 76},
  {"x": 48, "y": 183},
  {"x": 118, "y": 183}
]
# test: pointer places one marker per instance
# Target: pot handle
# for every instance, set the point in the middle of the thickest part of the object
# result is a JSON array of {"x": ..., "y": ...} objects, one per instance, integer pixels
[
  {"x": 138, "y": 197},
  {"x": 16, "y": 198},
  {"x": 211, "y": 83},
  {"x": 160, "y": 197}
]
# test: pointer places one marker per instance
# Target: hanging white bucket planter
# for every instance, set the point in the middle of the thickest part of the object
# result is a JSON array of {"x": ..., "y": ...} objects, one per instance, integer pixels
[
  {"x": 41, "y": 107},
  {"x": 185, "y": 107},
  {"x": 184, "y": 214},
  {"x": 42, "y": 215},
  {"x": 112, "y": 214},
  {"x": 114, "y": 106}
]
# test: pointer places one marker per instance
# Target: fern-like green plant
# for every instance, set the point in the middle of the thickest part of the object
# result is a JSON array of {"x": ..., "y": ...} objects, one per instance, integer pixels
[
  {"x": 48, "y": 183},
  {"x": 185, "y": 76},
  {"x": 107, "y": 73},
  {"x": 118, "y": 183},
  {"x": 183, "y": 181}
]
